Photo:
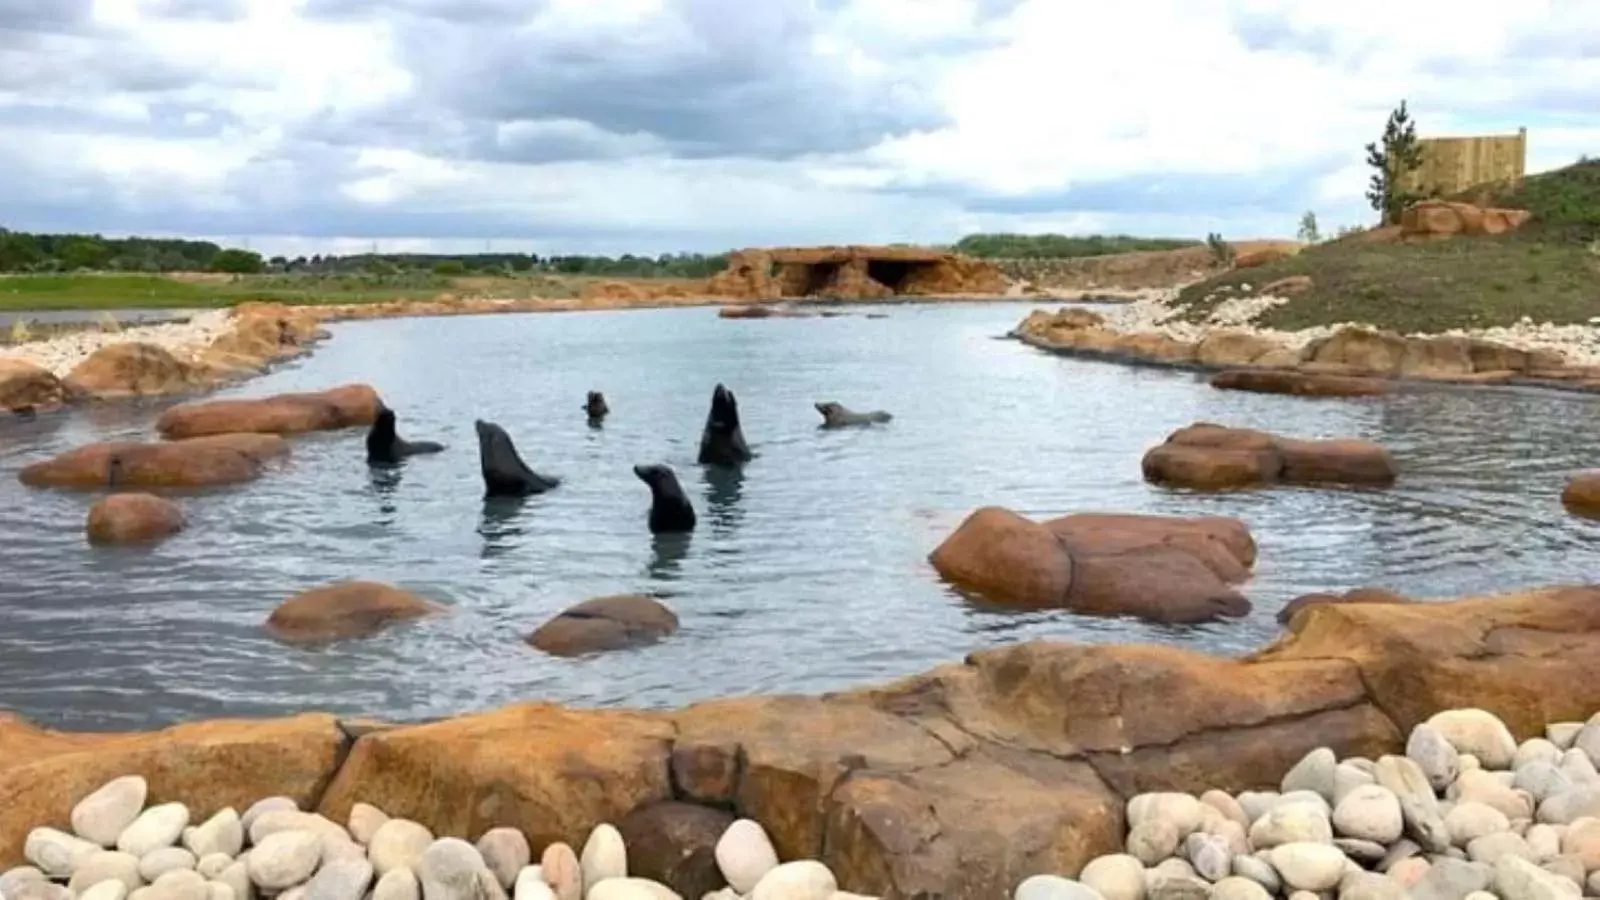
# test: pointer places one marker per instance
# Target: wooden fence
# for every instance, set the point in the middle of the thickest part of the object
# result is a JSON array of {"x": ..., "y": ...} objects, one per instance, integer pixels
[{"x": 1454, "y": 164}]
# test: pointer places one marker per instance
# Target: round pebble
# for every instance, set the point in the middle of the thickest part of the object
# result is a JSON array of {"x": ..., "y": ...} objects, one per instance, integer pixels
[
  {"x": 399, "y": 883},
  {"x": 505, "y": 851},
  {"x": 396, "y": 843},
  {"x": 1478, "y": 732},
  {"x": 449, "y": 870},
  {"x": 803, "y": 879},
  {"x": 104, "y": 814},
  {"x": 365, "y": 820},
  {"x": 107, "y": 865},
  {"x": 1116, "y": 876},
  {"x": 105, "y": 890},
  {"x": 559, "y": 865},
  {"x": 1236, "y": 887},
  {"x": 744, "y": 854},
  {"x": 222, "y": 833},
  {"x": 167, "y": 859},
  {"x": 1370, "y": 812},
  {"x": 604, "y": 855},
  {"x": 157, "y": 827},
  {"x": 284, "y": 859},
  {"x": 1308, "y": 866},
  {"x": 530, "y": 885},
  {"x": 340, "y": 879},
  {"x": 56, "y": 853}
]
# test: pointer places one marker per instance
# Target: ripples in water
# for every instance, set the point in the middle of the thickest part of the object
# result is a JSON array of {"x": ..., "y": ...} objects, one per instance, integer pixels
[{"x": 808, "y": 572}]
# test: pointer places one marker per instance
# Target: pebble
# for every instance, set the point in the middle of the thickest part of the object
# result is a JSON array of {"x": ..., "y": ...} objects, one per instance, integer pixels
[
  {"x": 1258, "y": 870},
  {"x": 1314, "y": 772},
  {"x": 396, "y": 843},
  {"x": 604, "y": 856},
  {"x": 364, "y": 821},
  {"x": 631, "y": 889},
  {"x": 216, "y": 890},
  {"x": 505, "y": 851},
  {"x": 1116, "y": 876},
  {"x": 448, "y": 870},
  {"x": 1309, "y": 866},
  {"x": 1346, "y": 778},
  {"x": 284, "y": 859},
  {"x": 1223, "y": 802},
  {"x": 39, "y": 890},
  {"x": 530, "y": 885},
  {"x": 1518, "y": 879},
  {"x": 262, "y": 807},
  {"x": 1490, "y": 847},
  {"x": 1235, "y": 887},
  {"x": 56, "y": 853},
  {"x": 1470, "y": 820},
  {"x": 1291, "y": 823},
  {"x": 341, "y": 879},
  {"x": 1439, "y": 760},
  {"x": 105, "y": 890},
  {"x": 744, "y": 854},
  {"x": 1151, "y": 841},
  {"x": 1210, "y": 855},
  {"x": 107, "y": 865},
  {"x": 1562, "y": 734},
  {"x": 803, "y": 879},
  {"x": 1370, "y": 812},
  {"x": 222, "y": 833},
  {"x": 1181, "y": 810},
  {"x": 179, "y": 884},
  {"x": 1535, "y": 750},
  {"x": 167, "y": 859},
  {"x": 156, "y": 827},
  {"x": 1478, "y": 732},
  {"x": 273, "y": 821},
  {"x": 237, "y": 876},
  {"x": 399, "y": 883},
  {"x": 559, "y": 865},
  {"x": 107, "y": 811},
  {"x": 213, "y": 864}
]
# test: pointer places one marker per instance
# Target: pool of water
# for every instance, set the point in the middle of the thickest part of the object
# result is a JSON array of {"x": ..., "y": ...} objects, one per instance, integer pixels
[{"x": 807, "y": 573}]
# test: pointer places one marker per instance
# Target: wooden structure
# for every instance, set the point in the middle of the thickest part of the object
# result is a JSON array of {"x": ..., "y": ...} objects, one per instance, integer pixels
[{"x": 1451, "y": 165}]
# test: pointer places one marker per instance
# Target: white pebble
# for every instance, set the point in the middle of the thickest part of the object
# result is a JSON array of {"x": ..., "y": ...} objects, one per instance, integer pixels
[
  {"x": 450, "y": 870},
  {"x": 1470, "y": 820},
  {"x": 216, "y": 890},
  {"x": 262, "y": 807},
  {"x": 398, "y": 842},
  {"x": 1370, "y": 812},
  {"x": 1116, "y": 876},
  {"x": 106, "y": 890},
  {"x": 365, "y": 820},
  {"x": 1309, "y": 866},
  {"x": 213, "y": 864},
  {"x": 505, "y": 851},
  {"x": 107, "y": 865},
  {"x": 56, "y": 853},
  {"x": 1314, "y": 772},
  {"x": 284, "y": 859},
  {"x": 399, "y": 883},
  {"x": 744, "y": 854},
  {"x": 1291, "y": 823},
  {"x": 222, "y": 833},
  {"x": 1478, "y": 732},
  {"x": 631, "y": 889},
  {"x": 341, "y": 879},
  {"x": 273, "y": 821},
  {"x": 167, "y": 859},
  {"x": 1052, "y": 887},
  {"x": 237, "y": 876},
  {"x": 530, "y": 885},
  {"x": 1236, "y": 887},
  {"x": 603, "y": 856},
  {"x": 157, "y": 827},
  {"x": 1439, "y": 760},
  {"x": 804, "y": 879},
  {"x": 1518, "y": 879},
  {"x": 103, "y": 815},
  {"x": 180, "y": 884}
]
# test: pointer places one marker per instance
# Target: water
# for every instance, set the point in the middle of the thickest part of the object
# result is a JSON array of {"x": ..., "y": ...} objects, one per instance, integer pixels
[{"x": 807, "y": 574}]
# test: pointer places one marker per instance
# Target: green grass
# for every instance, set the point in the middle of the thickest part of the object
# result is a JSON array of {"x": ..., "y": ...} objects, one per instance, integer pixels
[{"x": 1549, "y": 270}]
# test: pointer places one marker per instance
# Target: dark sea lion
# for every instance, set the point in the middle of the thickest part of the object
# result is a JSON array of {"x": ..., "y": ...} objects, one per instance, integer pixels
[
  {"x": 385, "y": 446},
  {"x": 504, "y": 472},
  {"x": 670, "y": 509},
  {"x": 722, "y": 441},
  {"x": 836, "y": 416},
  {"x": 596, "y": 406}
]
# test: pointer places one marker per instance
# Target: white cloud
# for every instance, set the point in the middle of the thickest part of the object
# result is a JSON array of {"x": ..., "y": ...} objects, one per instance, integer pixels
[{"x": 925, "y": 118}]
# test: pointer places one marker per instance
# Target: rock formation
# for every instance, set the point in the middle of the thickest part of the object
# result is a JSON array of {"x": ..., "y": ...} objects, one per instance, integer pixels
[
  {"x": 196, "y": 462},
  {"x": 1212, "y": 457},
  {"x": 958, "y": 783},
  {"x": 132, "y": 518},
  {"x": 1443, "y": 218},
  {"x": 346, "y": 609},
  {"x": 605, "y": 623},
  {"x": 852, "y": 273},
  {"x": 26, "y": 386},
  {"x": 341, "y": 407}
]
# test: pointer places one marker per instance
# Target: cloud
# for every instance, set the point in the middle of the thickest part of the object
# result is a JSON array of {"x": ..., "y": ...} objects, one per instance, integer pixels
[{"x": 661, "y": 125}]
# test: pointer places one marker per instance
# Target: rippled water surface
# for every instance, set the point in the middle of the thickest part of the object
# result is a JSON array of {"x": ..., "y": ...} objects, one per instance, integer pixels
[{"x": 807, "y": 573}]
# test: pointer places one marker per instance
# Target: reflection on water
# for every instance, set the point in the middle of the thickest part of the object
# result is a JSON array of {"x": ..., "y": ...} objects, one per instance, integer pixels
[{"x": 808, "y": 571}]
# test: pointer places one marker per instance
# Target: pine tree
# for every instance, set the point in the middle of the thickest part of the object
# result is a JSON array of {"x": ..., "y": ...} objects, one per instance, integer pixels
[
  {"x": 1309, "y": 233},
  {"x": 1397, "y": 154}
]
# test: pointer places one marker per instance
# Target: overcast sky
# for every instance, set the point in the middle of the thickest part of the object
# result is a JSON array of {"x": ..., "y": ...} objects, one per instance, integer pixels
[{"x": 664, "y": 125}]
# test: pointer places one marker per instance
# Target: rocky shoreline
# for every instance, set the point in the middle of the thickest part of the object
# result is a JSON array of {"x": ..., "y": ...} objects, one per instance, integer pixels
[{"x": 962, "y": 782}]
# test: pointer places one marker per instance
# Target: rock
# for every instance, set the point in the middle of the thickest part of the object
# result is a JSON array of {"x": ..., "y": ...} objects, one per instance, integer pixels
[
  {"x": 341, "y": 879},
  {"x": 1568, "y": 867},
  {"x": 39, "y": 890},
  {"x": 1563, "y": 734},
  {"x": 237, "y": 877},
  {"x": 26, "y": 386},
  {"x": 180, "y": 884},
  {"x": 605, "y": 623},
  {"x": 1448, "y": 878},
  {"x": 1478, "y": 732},
  {"x": 1181, "y": 810},
  {"x": 1489, "y": 788},
  {"x": 1164, "y": 886},
  {"x": 1541, "y": 780},
  {"x": 1153, "y": 840},
  {"x": 1259, "y": 870},
  {"x": 1308, "y": 866},
  {"x": 1371, "y": 813},
  {"x": 1116, "y": 876},
  {"x": 505, "y": 851},
  {"x": 631, "y": 889},
  {"x": 262, "y": 807},
  {"x": 132, "y": 369},
  {"x": 1224, "y": 803},
  {"x": 398, "y": 843},
  {"x": 1575, "y": 804},
  {"x": 1536, "y": 750},
  {"x": 212, "y": 865},
  {"x": 561, "y": 870},
  {"x": 675, "y": 843},
  {"x": 166, "y": 859},
  {"x": 1490, "y": 847},
  {"x": 1211, "y": 457},
  {"x": 400, "y": 883},
  {"x": 1346, "y": 778},
  {"x": 103, "y": 815},
  {"x": 202, "y": 462},
  {"x": 1360, "y": 885},
  {"x": 1418, "y": 806},
  {"x": 105, "y": 890},
  {"x": 284, "y": 859},
  {"x": 1436, "y": 756},
  {"x": 1300, "y": 384},
  {"x": 1210, "y": 855},
  {"x": 1292, "y": 823},
  {"x": 222, "y": 833},
  {"x": 1544, "y": 841},
  {"x": 342, "y": 407},
  {"x": 1581, "y": 839},
  {"x": 449, "y": 870},
  {"x": 1238, "y": 888},
  {"x": 345, "y": 609},
  {"x": 216, "y": 890},
  {"x": 604, "y": 856},
  {"x": 106, "y": 865},
  {"x": 295, "y": 820},
  {"x": 1313, "y": 773},
  {"x": 56, "y": 853},
  {"x": 799, "y": 880},
  {"x": 365, "y": 820},
  {"x": 1054, "y": 887},
  {"x": 530, "y": 885},
  {"x": 1518, "y": 879}
]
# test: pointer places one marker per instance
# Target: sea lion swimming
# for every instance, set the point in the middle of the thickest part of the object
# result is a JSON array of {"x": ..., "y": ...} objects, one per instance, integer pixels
[
  {"x": 670, "y": 510},
  {"x": 722, "y": 441},
  {"x": 386, "y": 447},
  {"x": 596, "y": 406},
  {"x": 837, "y": 416},
  {"x": 504, "y": 472}
]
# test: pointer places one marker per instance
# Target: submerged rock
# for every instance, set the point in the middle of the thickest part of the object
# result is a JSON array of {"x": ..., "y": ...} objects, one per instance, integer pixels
[{"x": 605, "y": 623}]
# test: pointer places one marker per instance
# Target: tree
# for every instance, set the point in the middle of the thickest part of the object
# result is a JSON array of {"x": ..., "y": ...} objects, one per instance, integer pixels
[
  {"x": 238, "y": 262},
  {"x": 1395, "y": 156},
  {"x": 1308, "y": 228}
]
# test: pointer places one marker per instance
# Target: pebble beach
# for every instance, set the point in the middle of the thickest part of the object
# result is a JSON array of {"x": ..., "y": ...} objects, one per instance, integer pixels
[{"x": 62, "y": 354}]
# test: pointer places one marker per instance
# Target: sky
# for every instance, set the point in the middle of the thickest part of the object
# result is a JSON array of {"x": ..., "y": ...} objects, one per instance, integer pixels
[{"x": 653, "y": 126}]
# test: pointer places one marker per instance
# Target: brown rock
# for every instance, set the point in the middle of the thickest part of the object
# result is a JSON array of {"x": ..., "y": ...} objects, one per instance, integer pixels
[
  {"x": 1358, "y": 595},
  {"x": 1532, "y": 657},
  {"x": 1232, "y": 348},
  {"x": 1000, "y": 554},
  {"x": 1444, "y": 218},
  {"x": 341, "y": 407},
  {"x": 1040, "y": 323},
  {"x": 345, "y": 609},
  {"x": 1224, "y": 543},
  {"x": 198, "y": 462},
  {"x": 1154, "y": 347},
  {"x": 852, "y": 273},
  {"x": 132, "y": 518},
  {"x": 207, "y": 765},
  {"x": 1437, "y": 357},
  {"x": 1337, "y": 461},
  {"x": 605, "y": 623},
  {"x": 25, "y": 386},
  {"x": 1251, "y": 259},
  {"x": 674, "y": 844},
  {"x": 1581, "y": 496},
  {"x": 1289, "y": 286},
  {"x": 554, "y": 773},
  {"x": 745, "y": 312},
  {"x": 1299, "y": 384},
  {"x": 132, "y": 370},
  {"x": 1211, "y": 457},
  {"x": 1361, "y": 349}
]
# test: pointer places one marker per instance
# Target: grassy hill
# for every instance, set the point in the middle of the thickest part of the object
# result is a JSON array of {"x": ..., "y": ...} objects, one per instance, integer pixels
[{"x": 1548, "y": 270}]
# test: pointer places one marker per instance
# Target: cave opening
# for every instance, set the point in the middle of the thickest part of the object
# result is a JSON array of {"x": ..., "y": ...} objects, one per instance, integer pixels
[
  {"x": 818, "y": 276},
  {"x": 892, "y": 273}
]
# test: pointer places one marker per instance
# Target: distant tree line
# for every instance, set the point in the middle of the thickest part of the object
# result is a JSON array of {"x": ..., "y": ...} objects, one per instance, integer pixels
[
  {"x": 24, "y": 252},
  {"x": 1056, "y": 246}
]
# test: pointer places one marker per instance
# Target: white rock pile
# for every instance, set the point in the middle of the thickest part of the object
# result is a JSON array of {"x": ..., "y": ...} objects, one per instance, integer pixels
[
  {"x": 120, "y": 849},
  {"x": 62, "y": 354},
  {"x": 1465, "y": 814}
]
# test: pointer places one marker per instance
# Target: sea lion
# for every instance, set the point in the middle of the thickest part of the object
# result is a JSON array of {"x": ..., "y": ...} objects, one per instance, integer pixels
[
  {"x": 670, "y": 510},
  {"x": 722, "y": 441},
  {"x": 386, "y": 447},
  {"x": 504, "y": 472},
  {"x": 596, "y": 406},
  {"x": 837, "y": 416}
]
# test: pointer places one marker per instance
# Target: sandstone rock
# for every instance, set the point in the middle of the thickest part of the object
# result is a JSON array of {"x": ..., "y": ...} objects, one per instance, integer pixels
[
  {"x": 398, "y": 844},
  {"x": 1300, "y": 384},
  {"x": 505, "y": 851},
  {"x": 1001, "y": 554},
  {"x": 605, "y": 623},
  {"x": 341, "y": 407},
  {"x": 132, "y": 518},
  {"x": 103, "y": 814},
  {"x": 1223, "y": 347},
  {"x": 1288, "y": 286},
  {"x": 1581, "y": 496},
  {"x": 675, "y": 844},
  {"x": 132, "y": 370},
  {"x": 25, "y": 386},
  {"x": 1211, "y": 457},
  {"x": 1446, "y": 218},
  {"x": 202, "y": 462},
  {"x": 284, "y": 859},
  {"x": 345, "y": 609}
]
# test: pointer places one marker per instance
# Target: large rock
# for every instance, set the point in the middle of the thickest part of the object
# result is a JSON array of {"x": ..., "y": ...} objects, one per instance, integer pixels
[
  {"x": 26, "y": 387},
  {"x": 132, "y": 518},
  {"x": 1300, "y": 384},
  {"x": 208, "y": 765},
  {"x": 1356, "y": 595},
  {"x": 341, "y": 407},
  {"x": 198, "y": 462},
  {"x": 1581, "y": 496},
  {"x": 132, "y": 369},
  {"x": 674, "y": 843},
  {"x": 1225, "y": 347},
  {"x": 1167, "y": 569},
  {"x": 345, "y": 609},
  {"x": 1445, "y": 218},
  {"x": 1212, "y": 457},
  {"x": 605, "y": 623}
]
